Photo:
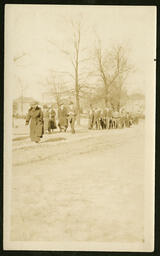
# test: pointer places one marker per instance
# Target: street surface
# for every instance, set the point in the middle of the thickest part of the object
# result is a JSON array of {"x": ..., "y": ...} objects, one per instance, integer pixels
[{"x": 86, "y": 186}]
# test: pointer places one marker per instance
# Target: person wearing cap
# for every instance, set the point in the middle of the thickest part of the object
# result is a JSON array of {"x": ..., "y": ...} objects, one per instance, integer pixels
[
  {"x": 71, "y": 116},
  {"x": 35, "y": 118},
  {"x": 62, "y": 118}
]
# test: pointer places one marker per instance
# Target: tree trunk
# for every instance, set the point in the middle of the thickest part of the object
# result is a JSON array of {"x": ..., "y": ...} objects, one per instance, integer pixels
[
  {"x": 106, "y": 101},
  {"x": 78, "y": 109},
  {"x": 77, "y": 86},
  {"x": 106, "y": 94},
  {"x": 77, "y": 97}
]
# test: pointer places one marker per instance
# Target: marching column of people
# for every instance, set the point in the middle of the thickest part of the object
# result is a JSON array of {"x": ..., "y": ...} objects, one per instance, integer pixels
[
  {"x": 42, "y": 122},
  {"x": 107, "y": 118}
]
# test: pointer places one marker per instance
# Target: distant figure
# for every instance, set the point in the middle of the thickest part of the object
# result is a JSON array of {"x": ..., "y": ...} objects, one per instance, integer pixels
[
  {"x": 62, "y": 118},
  {"x": 91, "y": 118},
  {"x": 52, "y": 120},
  {"x": 97, "y": 116},
  {"x": 72, "y": 116},
  {"x": 128, "y": 121},
  {"x": 103, "y": 119},
  {"x": 115, "y": 119},
  {"x": 35, "y": 117},
  {"x": 109, "y": 118},
  {"x": 46, "y": 118},
  {"x": 122, "y": 119}
]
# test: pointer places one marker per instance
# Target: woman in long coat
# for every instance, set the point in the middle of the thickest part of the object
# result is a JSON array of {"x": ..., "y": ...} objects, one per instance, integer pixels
[{"x": 35, "y": 117}]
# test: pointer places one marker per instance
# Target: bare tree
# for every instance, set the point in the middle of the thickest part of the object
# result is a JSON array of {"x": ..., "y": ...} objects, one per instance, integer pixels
[
  {"x": 75, "y": 59},
  {"x": 121, "y": 69},
  {"x": 56, "y": 87},
  {"x": 113, "y": 69}
]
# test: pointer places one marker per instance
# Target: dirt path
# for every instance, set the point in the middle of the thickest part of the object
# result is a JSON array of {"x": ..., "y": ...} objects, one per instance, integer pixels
[{"x": 81, "y": 189}]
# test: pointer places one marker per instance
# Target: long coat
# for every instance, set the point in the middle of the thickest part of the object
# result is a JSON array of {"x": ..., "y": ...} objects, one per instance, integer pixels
[
  {"x": 63, "y": 117},
  {"x": 52, "y": 120},
  {"x": 35, "y": 117}
]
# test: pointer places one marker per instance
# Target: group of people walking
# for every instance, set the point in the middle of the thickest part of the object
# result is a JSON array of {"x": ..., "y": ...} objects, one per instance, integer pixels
[
  {"x": 42, "y": 122},
  {"x": 108, "y": 119}
]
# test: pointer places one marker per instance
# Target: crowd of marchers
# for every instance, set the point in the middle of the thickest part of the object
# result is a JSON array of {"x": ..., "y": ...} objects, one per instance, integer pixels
[
  {"x": 45, "y": 120},
  {"x": 108, "y": 118}
]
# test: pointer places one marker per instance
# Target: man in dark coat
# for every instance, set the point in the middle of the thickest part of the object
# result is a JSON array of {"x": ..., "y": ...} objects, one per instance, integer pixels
[
  {"x": 62, "y": 118},
  {"x": 35, "y": 117}
]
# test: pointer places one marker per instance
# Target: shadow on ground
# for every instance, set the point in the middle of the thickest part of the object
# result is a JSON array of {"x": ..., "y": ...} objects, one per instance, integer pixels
[
  {"x": 53, "y": 140},
  {"x": 20, "y": 138}
]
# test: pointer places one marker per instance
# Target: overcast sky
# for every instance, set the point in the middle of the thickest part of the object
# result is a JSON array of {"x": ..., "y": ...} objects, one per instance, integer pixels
[{"x": 28, "y": 29}]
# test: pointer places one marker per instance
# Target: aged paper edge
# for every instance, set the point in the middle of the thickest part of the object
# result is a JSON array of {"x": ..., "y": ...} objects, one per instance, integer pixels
[{"x": 149, "y": 183}]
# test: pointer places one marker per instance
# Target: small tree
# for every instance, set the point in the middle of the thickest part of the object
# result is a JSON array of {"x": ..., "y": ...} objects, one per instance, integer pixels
[{"x": 56, "y": 88}]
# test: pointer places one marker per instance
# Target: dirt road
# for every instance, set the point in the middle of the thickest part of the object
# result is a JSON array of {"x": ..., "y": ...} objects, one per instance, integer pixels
[{"x": 82, "y": 187}]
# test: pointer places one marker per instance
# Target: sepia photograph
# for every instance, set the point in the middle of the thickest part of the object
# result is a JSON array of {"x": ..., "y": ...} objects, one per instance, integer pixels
[{"x": 79, "y": 127}]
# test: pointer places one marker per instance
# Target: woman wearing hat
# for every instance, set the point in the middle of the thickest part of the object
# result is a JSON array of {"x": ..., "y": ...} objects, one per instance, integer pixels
[{"x": 35, "y": 117}]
